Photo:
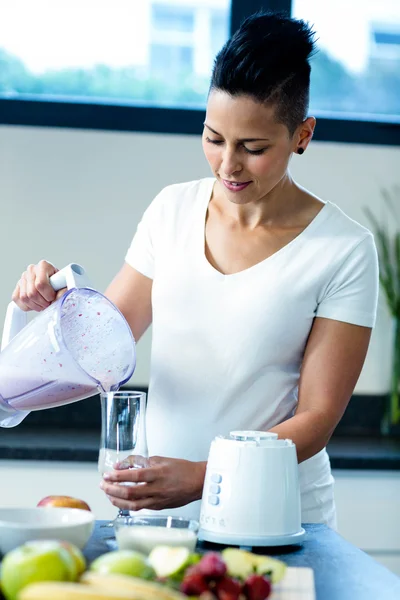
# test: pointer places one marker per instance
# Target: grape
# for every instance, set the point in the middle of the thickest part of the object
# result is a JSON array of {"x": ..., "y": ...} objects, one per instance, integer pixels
[
  {"x": 194, "y": 584},
  {"x": 212, "y": 566},
  {"x": 192, "y": 570},
  {"x": 228, "y": 589},
  {"x": 257, "y": 587}
]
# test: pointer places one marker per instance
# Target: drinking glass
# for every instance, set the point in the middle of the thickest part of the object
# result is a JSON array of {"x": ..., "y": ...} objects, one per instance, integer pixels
[{"x": 123, "y": 432}]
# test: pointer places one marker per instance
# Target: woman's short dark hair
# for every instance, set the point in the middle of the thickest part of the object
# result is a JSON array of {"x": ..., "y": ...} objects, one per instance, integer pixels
[{"x": 268, "y": 59}]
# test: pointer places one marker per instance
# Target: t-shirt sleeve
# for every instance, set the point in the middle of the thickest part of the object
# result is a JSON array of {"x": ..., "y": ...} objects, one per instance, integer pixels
[
  {"x": 352, "y": 294},
  {"x": 142, "y": 251}
]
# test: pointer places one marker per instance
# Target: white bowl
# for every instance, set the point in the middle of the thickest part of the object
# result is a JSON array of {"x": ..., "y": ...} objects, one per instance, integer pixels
[{"x": 20, "y": 525}]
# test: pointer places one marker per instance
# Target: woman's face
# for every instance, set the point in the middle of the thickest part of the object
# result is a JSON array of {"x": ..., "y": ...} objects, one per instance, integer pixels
[{"x": 248, "y": 151}]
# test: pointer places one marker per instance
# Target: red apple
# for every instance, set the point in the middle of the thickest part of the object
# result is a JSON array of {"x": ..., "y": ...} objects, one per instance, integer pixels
[{"x": 63, "y": 502}]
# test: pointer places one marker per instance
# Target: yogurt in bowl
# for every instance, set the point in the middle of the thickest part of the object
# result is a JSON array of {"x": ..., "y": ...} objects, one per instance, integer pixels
[{"x": 143, "y": 533}]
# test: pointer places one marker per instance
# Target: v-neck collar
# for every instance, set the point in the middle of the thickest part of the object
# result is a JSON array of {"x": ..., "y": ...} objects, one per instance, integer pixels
[{"x": 298, "y": 240}]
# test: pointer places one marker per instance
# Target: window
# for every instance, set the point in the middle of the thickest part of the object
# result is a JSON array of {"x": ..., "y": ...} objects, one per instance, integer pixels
[
  {"x": 356, "y": 73},
  {"x": 148, "y": 53},
  {"x": 144, "y": 65}
]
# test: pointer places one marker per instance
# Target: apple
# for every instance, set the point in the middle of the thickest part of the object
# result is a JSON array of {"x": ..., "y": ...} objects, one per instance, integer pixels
[
  {"x": 242, "y": 564},
  {"x": 124, "y": 562},
  {"x": 64, "y": 502},
  {"x": 35, "y": 561},
  {"x": 168, "y": 561},
  {"x": 80, "y": 561}
]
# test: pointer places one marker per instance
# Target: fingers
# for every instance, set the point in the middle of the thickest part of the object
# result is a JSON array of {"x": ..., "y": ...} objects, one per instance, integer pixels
[
  {"x": 36, "y": 300},
  {"x": 150, "y": 503},
  {"x": 26, "y": 301},
  {"x": 33, "y": 291},
  {"x": 133, "y": 461},
  {"x": 61, "y": 293},
  {"x": 131, "y": 475},
  {"x": 20, "y": 291},
  {"x": 42, "y": 273},
  {"x": 126, "y": 491}
]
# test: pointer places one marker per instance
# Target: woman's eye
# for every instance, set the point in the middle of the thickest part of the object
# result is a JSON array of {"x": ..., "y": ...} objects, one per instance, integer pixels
[
  {"x": 255, "y": 152},
  {"x": 213, "y": 141}
]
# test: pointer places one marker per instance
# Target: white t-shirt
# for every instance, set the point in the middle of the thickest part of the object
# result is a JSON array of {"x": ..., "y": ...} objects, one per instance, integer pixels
[{"x": 227, "y": 349}]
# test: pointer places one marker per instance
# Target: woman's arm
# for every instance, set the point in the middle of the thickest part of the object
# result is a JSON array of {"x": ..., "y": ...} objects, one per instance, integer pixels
[
  {"x": 130, "y": 291},
  {"x": 333, "y": 359}
]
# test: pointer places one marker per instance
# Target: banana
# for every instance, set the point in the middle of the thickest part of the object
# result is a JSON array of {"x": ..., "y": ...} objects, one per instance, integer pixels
[
  {"x": 138, "y": 588},
  {"x": 56, "y": 590}
]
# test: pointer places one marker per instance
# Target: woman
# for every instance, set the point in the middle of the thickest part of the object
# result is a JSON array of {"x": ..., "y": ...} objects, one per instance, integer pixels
[{"x": 262, "y": 296}]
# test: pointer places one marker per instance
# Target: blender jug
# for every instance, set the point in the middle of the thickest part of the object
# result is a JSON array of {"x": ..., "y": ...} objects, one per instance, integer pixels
[{"x": 79, "y": 345}]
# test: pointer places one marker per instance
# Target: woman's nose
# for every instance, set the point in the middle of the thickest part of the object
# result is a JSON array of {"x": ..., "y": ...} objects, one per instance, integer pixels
[{"x": 230, "y": 163}]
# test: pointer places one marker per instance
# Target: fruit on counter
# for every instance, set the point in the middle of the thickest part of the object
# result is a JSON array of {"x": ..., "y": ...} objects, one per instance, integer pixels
[
  {"x": 228, "y": 588},
  {"x": 138, "y": 588},
  {"x": 265, "y": 565},
  {"x": 194, "y": 584},
  {"x": 257, "y": 587},
  {"x": 77, "y": 555},
  {"x": 212, "y": 579},
  {"x": 63, "y": 502},
  {"x": 208, "y": 579},
  {"x": 172, "y": 562},
  {"x": 242, "y": 564},
  {"x": 71, "y": 591},
  {"x": 212, "y": 565},
  {"x": 40, "y": 560},
  {"x": 124, "y": 562}
]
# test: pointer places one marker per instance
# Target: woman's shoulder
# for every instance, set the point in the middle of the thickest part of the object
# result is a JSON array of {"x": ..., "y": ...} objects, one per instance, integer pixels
[
  {"x": 344, "y": 226},
  {"x": 178, "y": 201},
  {"x": 187, "y": 189}
]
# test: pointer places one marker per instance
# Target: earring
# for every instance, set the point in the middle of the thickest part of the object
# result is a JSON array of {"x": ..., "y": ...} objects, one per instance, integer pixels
[{"x": 300, "y": 150}]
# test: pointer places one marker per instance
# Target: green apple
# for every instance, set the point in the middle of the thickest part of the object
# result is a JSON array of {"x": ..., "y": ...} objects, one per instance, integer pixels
[
  {"x": 242, "y": 564},
  {"x": 124, "y": 562},
  {"x": 78, "y": 557},
  {"x": 168, "y": 561},
  {"x": 172, "y": 562},
  {"x": 34, "y": 561},
  {"x": 273, "y": 568}
]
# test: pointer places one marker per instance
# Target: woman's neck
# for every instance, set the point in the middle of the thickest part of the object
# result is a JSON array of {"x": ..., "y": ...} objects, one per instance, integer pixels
[{"x": 281, "y": 206}]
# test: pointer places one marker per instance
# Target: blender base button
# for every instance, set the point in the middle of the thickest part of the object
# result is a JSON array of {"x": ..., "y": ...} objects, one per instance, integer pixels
[
  {"x": 215, "y": 489},
  {"x": 216, "y": 478},
  {"x": 214, "y": 500}
]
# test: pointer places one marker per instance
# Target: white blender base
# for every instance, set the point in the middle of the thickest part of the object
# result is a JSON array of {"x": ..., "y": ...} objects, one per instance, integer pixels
[{"x": 252, "y": 540}]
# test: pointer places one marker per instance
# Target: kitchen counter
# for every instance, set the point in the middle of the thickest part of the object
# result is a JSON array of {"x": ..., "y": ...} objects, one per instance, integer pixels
[
  {"x": 81, "y": 445},
  {"x": 341, "y": 571}
]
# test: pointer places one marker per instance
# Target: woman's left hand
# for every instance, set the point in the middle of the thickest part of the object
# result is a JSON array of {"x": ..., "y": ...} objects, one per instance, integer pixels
[{"x": 166, "y": 483}]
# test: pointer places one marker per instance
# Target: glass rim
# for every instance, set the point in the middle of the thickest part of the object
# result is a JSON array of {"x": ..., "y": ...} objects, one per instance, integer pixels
[
  {"x": 128, "y": 394},
  {"x": 136, "y": 520}
]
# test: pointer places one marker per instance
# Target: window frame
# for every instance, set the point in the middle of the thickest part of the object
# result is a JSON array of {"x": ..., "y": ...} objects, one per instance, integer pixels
[{"x": 110, "y": 117}]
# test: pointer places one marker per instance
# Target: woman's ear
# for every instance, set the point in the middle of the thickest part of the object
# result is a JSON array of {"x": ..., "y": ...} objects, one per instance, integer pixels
[{"x": 304, "y": 135}]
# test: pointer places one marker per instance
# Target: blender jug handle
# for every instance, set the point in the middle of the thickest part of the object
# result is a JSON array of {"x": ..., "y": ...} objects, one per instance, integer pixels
[{"x": 71, "y": 276}]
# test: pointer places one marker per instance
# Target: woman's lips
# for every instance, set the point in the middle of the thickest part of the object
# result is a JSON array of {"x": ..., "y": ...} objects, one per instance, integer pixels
[{"x": 235, "y": 187}]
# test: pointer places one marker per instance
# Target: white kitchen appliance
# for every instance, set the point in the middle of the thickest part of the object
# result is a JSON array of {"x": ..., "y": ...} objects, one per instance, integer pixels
[{"x": 251, "y": 494}]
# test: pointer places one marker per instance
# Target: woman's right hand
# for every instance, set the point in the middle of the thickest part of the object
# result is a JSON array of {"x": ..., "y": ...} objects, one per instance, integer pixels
[{"x": 33, "y": 291}]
